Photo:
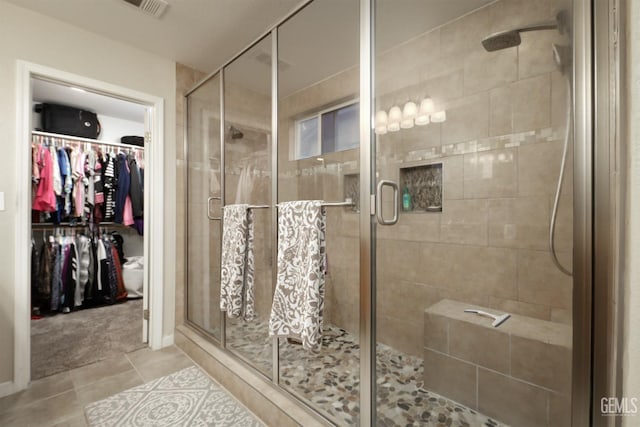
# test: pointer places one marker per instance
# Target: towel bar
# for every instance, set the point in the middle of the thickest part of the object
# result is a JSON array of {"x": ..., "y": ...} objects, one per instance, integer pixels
[{"x": 347, "y": 202}]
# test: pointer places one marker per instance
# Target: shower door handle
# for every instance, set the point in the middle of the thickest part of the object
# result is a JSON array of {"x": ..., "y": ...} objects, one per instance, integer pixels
[
  {"x": 394, "y": 186},
  {"x": 212, "y": 218}
]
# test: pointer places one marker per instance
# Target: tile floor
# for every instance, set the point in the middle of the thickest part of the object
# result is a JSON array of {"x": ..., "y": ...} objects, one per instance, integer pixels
[{"x": 59, "y": 400}]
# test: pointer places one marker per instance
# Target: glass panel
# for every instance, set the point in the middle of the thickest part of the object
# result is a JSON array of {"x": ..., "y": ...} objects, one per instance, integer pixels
[
  {"x": 307, "y": 138},
  {"x": 247, "y": 148},
  {"x": 203, "y": 181},
  {"x": 347, "y": 125},
  {"x": 318, "y": 68},
  {"x": 473, "y": 132}
]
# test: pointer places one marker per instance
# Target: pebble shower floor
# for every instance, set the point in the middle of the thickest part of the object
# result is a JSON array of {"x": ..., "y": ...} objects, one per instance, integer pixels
[{"x": 330, "y": 379}]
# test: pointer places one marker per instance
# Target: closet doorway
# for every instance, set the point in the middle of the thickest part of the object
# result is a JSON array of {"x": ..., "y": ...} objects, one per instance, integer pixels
[{"x": 89, "y": 260}]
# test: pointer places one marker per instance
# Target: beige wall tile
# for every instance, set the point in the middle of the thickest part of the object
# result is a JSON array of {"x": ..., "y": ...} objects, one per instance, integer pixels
[
  {"x": 508, "y": 14},
  {"x": 436, "y": 332},
  {"x": 562, "y": 315},
  {"x": 511, "y": 401},
  {"x": 521, "y": 106},
  {"x": 564, "y": 221},
  {"x": 535, "y": 54},
  {"x": 464, "y": 222},
  {"x": 450, "y": 377},
  {"x": 542, "y": 364},
  {"x": 539, "y": 281},
  {"x": 464, "y": 34},
  {"x": 491, "y": 174},
  {"x": 481, "y": 345},
  {"x": 538, "y": 168},
  {"x": 519, "y": 222},
  {"x": 405, "y": 300},
  {"x": 559, "y": 410},
  {"x": 467, "y": 119},
  {"x": 485, "y": 70},
  {"x": 404, "y": 335}
]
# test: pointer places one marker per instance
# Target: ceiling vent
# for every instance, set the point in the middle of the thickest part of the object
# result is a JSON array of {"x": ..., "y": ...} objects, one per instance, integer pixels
[
  {"x": 265, "y": 59},
  {"x": 154, "y": 8}
]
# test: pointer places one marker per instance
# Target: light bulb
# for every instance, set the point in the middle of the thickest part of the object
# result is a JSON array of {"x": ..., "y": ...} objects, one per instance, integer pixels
[
  {"x": 394, "y": 118},
  {"x": 408, "y": 114},
  {"x": 426, "y": 108},
  {"x": 381, "y": 118}
]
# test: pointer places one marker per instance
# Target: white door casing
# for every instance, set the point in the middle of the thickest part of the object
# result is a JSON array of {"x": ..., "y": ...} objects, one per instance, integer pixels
[{"x": 153, "y": 202}]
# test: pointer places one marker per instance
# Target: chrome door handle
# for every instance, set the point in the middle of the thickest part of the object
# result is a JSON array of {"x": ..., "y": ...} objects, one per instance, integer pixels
[
  {"x": 212, "y": 218},
  {"x": 394, "y": 186}
]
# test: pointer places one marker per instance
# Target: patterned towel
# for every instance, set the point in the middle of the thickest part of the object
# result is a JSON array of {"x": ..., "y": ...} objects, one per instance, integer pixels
[
  {"x": 236, "y": 287},
  {"x": 298, "y": 301}
]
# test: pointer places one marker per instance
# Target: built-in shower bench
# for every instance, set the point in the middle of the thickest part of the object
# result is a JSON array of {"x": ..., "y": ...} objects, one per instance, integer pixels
[{"x": 518, "y": 373}]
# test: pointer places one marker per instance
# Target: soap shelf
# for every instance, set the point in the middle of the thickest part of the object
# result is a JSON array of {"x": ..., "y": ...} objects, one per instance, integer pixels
[{"x": 424, "y": 184}]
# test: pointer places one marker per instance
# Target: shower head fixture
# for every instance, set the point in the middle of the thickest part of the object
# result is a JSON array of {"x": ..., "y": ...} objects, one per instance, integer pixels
[
  {"x": 236, "y": 133},
  {"x": 511, "y": 38}
]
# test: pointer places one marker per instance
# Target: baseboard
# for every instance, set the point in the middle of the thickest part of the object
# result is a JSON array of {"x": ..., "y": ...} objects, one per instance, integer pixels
[
  {"x": 168, "y": 340},
  {"x": 7, "y": 388}
]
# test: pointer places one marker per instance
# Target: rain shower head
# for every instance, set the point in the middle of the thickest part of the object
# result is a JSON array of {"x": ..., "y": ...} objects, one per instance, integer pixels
[
  {"x": 511, "y": 38},
  {"x": 236, "y": 133}
]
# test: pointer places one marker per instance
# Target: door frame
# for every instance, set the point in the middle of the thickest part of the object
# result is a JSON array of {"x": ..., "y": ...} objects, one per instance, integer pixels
[{"x": 154, "y": 215}]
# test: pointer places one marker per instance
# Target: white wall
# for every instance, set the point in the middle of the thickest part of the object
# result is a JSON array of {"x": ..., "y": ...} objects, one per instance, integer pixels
[{"x": 31, "y": 37}]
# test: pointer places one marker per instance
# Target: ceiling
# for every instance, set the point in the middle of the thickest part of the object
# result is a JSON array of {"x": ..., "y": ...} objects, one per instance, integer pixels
[{"x": 319, "y": 42}]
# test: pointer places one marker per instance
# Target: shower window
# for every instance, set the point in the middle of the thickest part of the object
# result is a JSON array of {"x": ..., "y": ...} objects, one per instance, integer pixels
[{"x": 328, "y": 131}]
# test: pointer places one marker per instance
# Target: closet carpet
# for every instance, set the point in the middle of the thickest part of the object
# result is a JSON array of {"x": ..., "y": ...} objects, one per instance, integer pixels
[{"x": 66, "y": 341}]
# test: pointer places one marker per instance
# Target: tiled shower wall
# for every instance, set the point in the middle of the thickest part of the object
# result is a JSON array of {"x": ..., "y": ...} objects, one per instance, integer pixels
[{"x": 500, "y": 147}]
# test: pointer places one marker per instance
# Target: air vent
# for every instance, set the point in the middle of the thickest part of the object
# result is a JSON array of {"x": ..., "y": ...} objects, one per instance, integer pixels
[
  {"x": 265, "y": 58},
  {"x": 154, "y": 8}
]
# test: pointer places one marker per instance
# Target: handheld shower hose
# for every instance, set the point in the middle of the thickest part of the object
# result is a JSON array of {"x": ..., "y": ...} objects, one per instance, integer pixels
[{"x": 556, "y": 201}]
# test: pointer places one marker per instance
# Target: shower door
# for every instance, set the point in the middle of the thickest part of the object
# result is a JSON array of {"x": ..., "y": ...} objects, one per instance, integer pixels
[
  {"x": 469, "y": 142},
  {"x": 318, "y": 159},
  {"x": 203, "y": 208},
  {"x": 247, "y": 179}
]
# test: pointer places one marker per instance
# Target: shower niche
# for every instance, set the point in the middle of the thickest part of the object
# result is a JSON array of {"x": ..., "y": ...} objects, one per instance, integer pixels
[
  {"x": 423, "y": 184},
  {"x": 351, "y": 184}
]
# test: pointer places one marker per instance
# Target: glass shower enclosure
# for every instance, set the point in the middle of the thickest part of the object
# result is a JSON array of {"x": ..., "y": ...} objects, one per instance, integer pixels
[{"x": 439, "y": 136}]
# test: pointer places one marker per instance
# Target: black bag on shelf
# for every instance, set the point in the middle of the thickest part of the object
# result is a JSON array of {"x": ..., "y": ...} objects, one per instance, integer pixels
[
  {"x": 67, "y": 120},
  {"x": 133, "y": 140}
]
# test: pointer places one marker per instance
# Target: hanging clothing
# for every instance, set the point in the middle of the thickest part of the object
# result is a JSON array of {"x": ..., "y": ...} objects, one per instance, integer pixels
[
  {"x": 109, "y": 181},
  {"x": 122, "y": 188},
  {"x": 136, "y": 190},
  {"x": 45, "y": 198}
]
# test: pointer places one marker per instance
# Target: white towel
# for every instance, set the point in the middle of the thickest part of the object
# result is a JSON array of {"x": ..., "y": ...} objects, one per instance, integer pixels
[
  {"x": 298, "y": 302},
  {"x": 236, "y": 286}
]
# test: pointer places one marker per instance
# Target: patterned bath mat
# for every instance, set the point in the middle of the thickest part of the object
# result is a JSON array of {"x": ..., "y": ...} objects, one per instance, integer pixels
[{"x": 185, "y": 398}]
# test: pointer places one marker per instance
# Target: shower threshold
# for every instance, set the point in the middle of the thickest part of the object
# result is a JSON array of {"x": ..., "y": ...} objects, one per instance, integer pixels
[{"x": 329, "y": 380}]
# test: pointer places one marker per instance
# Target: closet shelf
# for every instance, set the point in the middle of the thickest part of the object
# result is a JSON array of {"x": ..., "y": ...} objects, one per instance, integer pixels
[
  {"x": 77, "y": 225},
  {"x": 89, "y": 140}
]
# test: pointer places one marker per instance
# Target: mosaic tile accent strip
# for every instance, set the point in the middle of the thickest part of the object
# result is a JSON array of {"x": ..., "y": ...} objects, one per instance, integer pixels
[
  {"x": 185, "y": 398},
  {"x": 329, "y": 380}
]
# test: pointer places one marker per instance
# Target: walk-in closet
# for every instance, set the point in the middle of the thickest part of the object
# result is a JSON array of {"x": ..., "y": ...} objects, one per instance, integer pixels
[{"x": 87, "y": 227}]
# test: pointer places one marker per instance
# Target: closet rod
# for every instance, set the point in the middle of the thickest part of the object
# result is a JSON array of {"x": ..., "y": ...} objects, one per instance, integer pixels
[
  {"x": 80, "y": 139},
  {"x": 76, "y": 225}
]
